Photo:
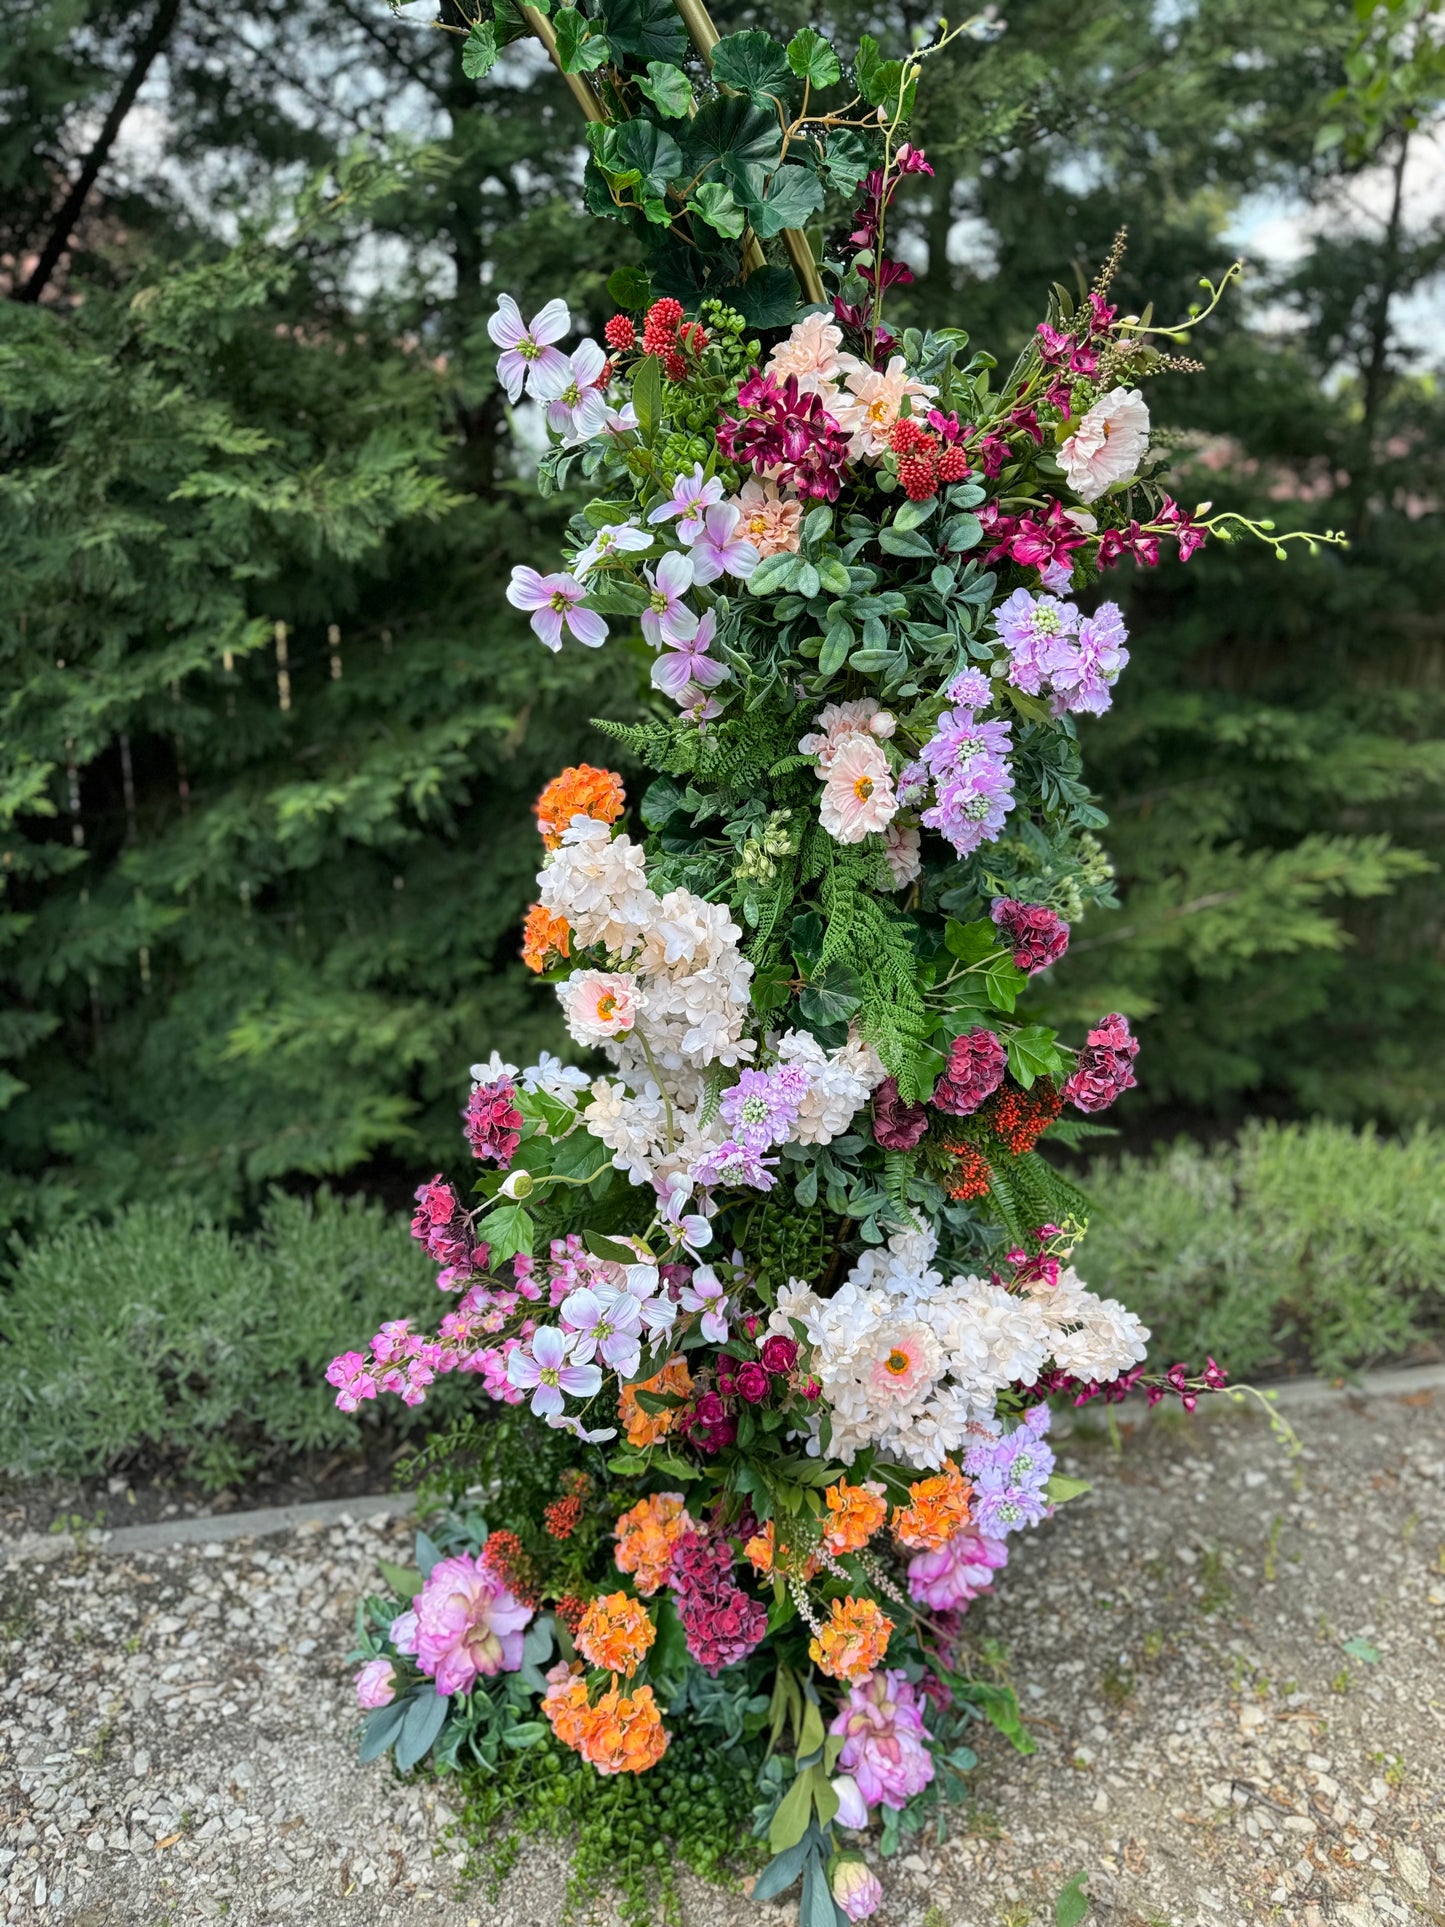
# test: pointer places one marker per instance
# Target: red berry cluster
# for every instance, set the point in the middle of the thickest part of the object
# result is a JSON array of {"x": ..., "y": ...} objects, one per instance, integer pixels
[
  {"x": 970, "y": 1175},
  {"x": 570, "y": 1610},
  {"x": 620, "y": 333},
  {"x": 925, "y": 461},
  {"x": 562, "y": 1515},
  {"x": 1020, "y": 1118},
  {"x": 506, "y": 1556},
  {"x": 665, "y": 333}
]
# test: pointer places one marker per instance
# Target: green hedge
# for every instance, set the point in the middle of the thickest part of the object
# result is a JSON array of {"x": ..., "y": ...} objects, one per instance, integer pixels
[
  {"x": 1297, "y": 1245},
  {"x": 158, "y": 1336}
]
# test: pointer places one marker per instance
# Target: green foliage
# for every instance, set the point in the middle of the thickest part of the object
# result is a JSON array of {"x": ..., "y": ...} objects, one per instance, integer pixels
[
  {"x": 1299, "y": 1245},
  {"x": 630, "y": 1833},
  {"x": 168, "y": 1338}
]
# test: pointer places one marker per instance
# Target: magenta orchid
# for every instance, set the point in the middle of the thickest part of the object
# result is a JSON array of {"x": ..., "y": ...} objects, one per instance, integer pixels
[
  {"x": 528, "y": 355},
  {"x": 667, "y": 618},
  {"x": 555, "y": 601},
  {"x": 717, "y": 548},
  {"x": 543, "y": 1368}
]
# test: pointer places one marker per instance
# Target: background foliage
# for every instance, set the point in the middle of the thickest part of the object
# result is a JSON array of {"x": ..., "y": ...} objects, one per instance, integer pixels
[{"x": 262, "y": 884}]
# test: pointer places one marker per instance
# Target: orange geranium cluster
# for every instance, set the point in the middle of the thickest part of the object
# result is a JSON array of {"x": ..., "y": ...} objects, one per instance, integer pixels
[
  {"x": 937, "y": 1508},
  {"x": 616, "y": 1735},
  {"x": 646, "y": 1535},
  {"x": 580, "y": 791},
  {"x": 853, "y": 1639},
  {"x": 546, "y": 939},
  {"x": 615, "y": 1633},
  {"x": 646, "y": 1428},
  {"x": 760, "y": 1549},
  {"x": 856, "y": 1512}
]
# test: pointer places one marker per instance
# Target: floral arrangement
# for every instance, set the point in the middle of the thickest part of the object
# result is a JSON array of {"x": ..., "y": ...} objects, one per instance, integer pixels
[{"x": 790, "y": 1275}]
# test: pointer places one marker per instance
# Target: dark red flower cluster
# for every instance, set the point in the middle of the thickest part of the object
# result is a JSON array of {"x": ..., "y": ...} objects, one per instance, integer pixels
[
  {"x": 492, "y": 1122},
  {"x": 1177, "y": 1379},
  {"x": 707, "y": 1423},
  {"x": 722, "y": 1623},
  {"x": 1029, "y": 541},
  {"x": 443, "y": 1227},
  {"x": 1104, "y": 1070},
  {"x": 1143, "y": 543},
  {"x": 780, "y": 1354},
  {"x": 925, "y": 461},
  {"x": 896, "y": 1126},
  {"x": 786, "y": 431},
  {"x": 748, "y": 1381},
  {"x": 878, "y": 191},
  {"x": 1019, "y": 1119},
  {"x": 976, "y": 1063},
  {"x": 506, "y": 1556},
  {"x": 1036, "y": 935}
]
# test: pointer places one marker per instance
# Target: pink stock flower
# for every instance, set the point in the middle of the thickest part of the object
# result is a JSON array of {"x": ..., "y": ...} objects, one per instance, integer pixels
[
  {"x": 555, "y": 601},
  {"x": 949, "y": 1579},
  {"x": 527, "y": 349},
  {"x": 376, "y": 1684},
  {"x": 885, "y": 1745},
  {"x": 468, "y": 1625},
  {"x": 717, "y": 547}
]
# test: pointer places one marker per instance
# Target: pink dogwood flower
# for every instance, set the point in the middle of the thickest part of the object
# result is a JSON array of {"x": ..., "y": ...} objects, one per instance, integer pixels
[
  {"x": 543, "y": 1370},
  {"x": 691, "y": 497},
  {"x": 686, "y": 666},
  {"x": 717, "y": 548},
  {"x": 556, "y": 604},
  {"x": 575, "y": 393},
  {"x": 667, "y": 618}
]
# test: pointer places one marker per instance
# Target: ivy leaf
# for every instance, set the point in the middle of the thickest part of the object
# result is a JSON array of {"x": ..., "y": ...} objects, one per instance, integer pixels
[
  {"x": 1031, "y": 1054},
  {"x": 716, "y": 204},
  {"x": 646, "y": 29},
  {"x": 753, "y": 63},
  {"x": 792, "y": 195},
  {"x": 650, "y": 152},
  {"x": 579, "y": 49},
  {"x": 832, "y": 997},
  {"x": 630, "y": 288},
  {"x": 479, "y": 50},
  {"x": 731, "y": 135},
  {"x": 1002, "y": 984},
  {"x": 668, "y": 88},
  {"x": 972, "y": 942},
  {"x": 812, "y": 59}
]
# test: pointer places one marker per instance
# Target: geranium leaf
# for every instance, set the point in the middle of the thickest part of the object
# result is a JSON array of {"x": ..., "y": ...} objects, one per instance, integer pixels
[
  {"x": 479, "y": 50},
  {"x": 730, "y": 135},
  {"x": 668, "y": 88},
  {"x": 753, "y": 63},
  {"x": 715, "y": 203},
  {"x": 645, "y": 29},
  {"x": 579, "y": 49},
  {"x": 792, "y": 195},
  {"x": 812, "y": 59}
]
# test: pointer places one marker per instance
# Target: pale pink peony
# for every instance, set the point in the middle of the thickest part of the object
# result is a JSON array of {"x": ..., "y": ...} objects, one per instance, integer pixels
[
  {"x": 836, "y": 723},
  {"x": 467, "y": 1624},
  {"x": 768, "y": 522},
  {"x": 1108, "y": 444},
  {"x": 858, "y": 796},
  {"x": 376, "y": 1684},
  {"x": 871, "y": 404},
  {"x": 947, "y": 1580},
  {"x": 885, "y": 1747},
  {"x": 599, "y": 1004},
  {"x": 811, "y": 353}
]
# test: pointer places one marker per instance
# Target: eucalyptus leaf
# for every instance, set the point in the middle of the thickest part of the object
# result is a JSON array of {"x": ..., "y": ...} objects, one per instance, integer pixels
[
  {"x": 381, "y": 1729},
  {"x": 426, "y": 1714}
]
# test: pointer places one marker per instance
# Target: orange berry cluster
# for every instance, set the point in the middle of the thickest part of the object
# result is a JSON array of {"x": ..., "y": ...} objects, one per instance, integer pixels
[
  {"x": 970, "y": 1176},
  {"x": 925, "y": 461},
  {"x": 506, "y": 1556},
  {"x": 1020, "y": 1118}
]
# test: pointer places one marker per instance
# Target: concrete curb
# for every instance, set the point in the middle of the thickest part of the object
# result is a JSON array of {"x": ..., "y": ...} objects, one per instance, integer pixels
[
  {"x": 208, "y": 1529},
  {"x": 35, "y": 1547}
]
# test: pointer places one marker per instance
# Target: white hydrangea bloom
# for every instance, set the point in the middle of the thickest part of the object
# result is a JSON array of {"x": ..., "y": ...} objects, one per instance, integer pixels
[
  {"x": 598, "y": 883},
  {"x": 841, "y": 1081}
]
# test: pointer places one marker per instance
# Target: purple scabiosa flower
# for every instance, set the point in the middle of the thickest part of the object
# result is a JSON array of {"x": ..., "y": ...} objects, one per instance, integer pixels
[
  {"x": 604, "y": 1324},
  {"x": 685, "y": 668},
  {"x": 543, "y": 1368},
  {"x": 1036, "y": 935},
  {"x": 735, "y": 1162},
  {"x": 949, "y": 1579},
  {"x": 527, "y": 347},
  {"x": 555, "y": 601},
  {"x": 1037, "y": 630},
  {"x": 972, "y": 775},
  {"x": 1085, "y": 683},
  {"x": 575, "y": 393},
  {"x": 692, "y": 496},
  {"x": 717, "y": 548},
  {"x": 885, "y": 1747},
  {"x": 762, "y": 1107},
  {"x": 977, "y": 1060},
  {"x": 617, "y": 538},
  {"x": 667, "y": 618},
  {"x": 1009, "y": 1476}
]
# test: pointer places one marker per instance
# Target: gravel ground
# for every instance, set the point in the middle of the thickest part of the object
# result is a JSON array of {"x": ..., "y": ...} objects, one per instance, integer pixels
[{"x": 1231, "y": 1662}]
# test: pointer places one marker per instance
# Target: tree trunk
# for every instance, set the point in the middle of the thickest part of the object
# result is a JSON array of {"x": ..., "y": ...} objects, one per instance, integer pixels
[
  {"x": 1377, "y": 363},
  {"x": 146, "y": 54}
]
